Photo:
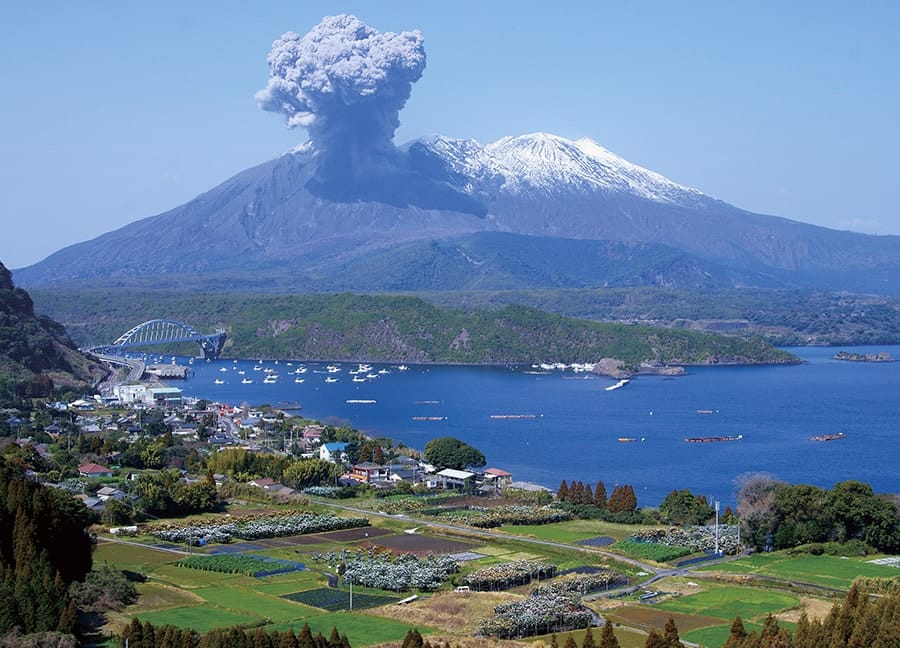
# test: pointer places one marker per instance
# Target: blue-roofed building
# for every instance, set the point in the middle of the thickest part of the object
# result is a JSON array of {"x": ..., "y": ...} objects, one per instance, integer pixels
[{"x": 332, "y": 452}]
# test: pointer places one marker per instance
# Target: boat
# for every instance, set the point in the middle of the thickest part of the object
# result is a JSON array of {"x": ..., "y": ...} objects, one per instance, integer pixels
[
  {"x": 515, "y": 416},
  {"x": 219, "y": 381},
  {"x": 223, "y": 369},
  {"x": 241, "y": 372},
  {"x": 383, "y": 372},
  {"x": 247, "y": 381},
  {"x": 402, "y": 368},
  {"x": 371, "y": 376},
  {"x": 358, "y": 379},
  {"x": 329, "y": 379},
  {"x": 429, "y": 418},
  {"x": 257, "y": 368},
  {"x": 299, "y": 380},
  {"x": 300, "y": 370},
  {"x": 271, "y": 379},
  {"x": 713, "y": 439},
  {"x": 827, "y": 437},
  {"x": 333, "y": 368},
  {"x": 630, "y": 439},
  {"x": 359, "y": 401},
  {"x": 706, "y": 411},
  {"x": 618, "y": 385}
]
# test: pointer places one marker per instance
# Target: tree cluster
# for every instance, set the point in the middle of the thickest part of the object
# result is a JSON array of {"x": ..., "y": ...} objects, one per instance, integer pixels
[
  {"x": 44, "y": 546},
  {"x": 145, "y": 635},
  {"x": 448, "y": 452},
  {"x": 165, "y": 494},
  {"x": 622, "y": 499},
  {"x": 859, "y": 622},
  {"x": 684, "y": 508},
  {"x": 776, "y": 515}
]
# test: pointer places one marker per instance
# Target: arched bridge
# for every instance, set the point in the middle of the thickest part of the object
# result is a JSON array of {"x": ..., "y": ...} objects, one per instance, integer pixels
[{"x": 160, "y": 331}]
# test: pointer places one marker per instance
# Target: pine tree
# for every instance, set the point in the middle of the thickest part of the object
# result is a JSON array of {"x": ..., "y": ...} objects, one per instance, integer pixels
[
  {"x": 378, "y": 455},
  {"x": 670, "y": 634},
  {"x": 412, "y": 639},
  {"x": 654, "y": 640},
  {"x": 600, "y": 495},
  {"x": 588, "y": 496},
  {"x": 305, "y": 638},
  {"x": 334, "y": 639},
  {"x": 562, "y": 494},
  {"x": 575, "y": 492},
  {"x": 607, "y": 638},
  {"x": 288, "y": 639},
  {"x": 588, "y": 641},
  {"x": 570, "y": 642},
  {"x": 553, "y": 642},
  {"x": 737, "y": 634}
]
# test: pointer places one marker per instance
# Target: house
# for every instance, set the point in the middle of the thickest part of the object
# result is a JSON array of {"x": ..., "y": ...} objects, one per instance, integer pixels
[
  {"x": 94, "y": 470},
  {"x": 452, "y": 478},
  {"x": 332, "y": 452},
  {"x": 269, "y": 484},
  {"x": 497, "y": 477},
  {"x": 262, "y": 482},
  {"x": 369, "y": 473}
]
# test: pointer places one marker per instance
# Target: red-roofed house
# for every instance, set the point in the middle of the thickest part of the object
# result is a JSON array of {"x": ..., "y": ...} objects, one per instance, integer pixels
[
  {"x": 94, "y": 470},
  {"x": 497, "y": 476}
]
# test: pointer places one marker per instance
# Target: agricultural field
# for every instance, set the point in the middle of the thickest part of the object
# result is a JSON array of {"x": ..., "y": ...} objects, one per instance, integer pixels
[
  {"x": 826, "y": 571},
  {"x": 650, "y": 551},
  {"x": 571, "y": 531}
]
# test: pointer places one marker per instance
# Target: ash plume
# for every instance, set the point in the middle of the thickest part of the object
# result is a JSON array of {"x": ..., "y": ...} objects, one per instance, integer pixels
[{"x": 345, "y": 83}]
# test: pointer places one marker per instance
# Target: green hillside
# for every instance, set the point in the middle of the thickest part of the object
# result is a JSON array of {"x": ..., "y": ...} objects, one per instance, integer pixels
[{"x": 389, "y": 328}]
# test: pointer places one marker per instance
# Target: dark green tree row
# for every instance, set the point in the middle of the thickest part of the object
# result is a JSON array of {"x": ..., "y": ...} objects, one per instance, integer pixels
[
  {"x": 776, "y": 515},
  {"x": 622, "y": 499},
  {"x": 146, "y": 635},
  {"x": 859, "y": 622},
  {"x": 44, "y": 546}
]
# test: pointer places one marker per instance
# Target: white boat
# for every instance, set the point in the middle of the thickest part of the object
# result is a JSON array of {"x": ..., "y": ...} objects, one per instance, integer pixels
[
  {"x": 333, "y": 368},
  {"x": 241, "y": 372},
  {"x": 619, "y": 384},
  {"x": 299, "y": 380},
  {"x": 402, "y": 368},
  {"x": 247, "y": 381},
  {"x": 358, "y": 379},
  {"x": 219, "y": 381},
  {"x": 300, "y": 370},
  {"x": 371, "y": 376},
  {"x": 257, "y": 368},
  {"x": 358, "y": 401},
  {"x": 383, "y": 372},
  {"x": 329, "y": 379},
  {"x": 223, "y": 369},
  {"x": 271, "y": 379}
]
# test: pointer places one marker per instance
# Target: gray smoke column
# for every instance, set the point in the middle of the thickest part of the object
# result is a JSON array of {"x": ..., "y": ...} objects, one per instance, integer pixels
[{"x": 345, "y": 83}]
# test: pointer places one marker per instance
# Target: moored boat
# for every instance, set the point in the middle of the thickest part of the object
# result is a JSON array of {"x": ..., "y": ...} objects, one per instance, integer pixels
[{"x": 714, "y": 439}]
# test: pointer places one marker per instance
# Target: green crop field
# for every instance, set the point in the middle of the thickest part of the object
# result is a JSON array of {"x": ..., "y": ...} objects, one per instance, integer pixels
[
  {"x": 830, "y": 571},
  {"x": 572, "y": 531},
  {"x": 361, "y": 629},
  {"x": 650, "y": 551},
  {"x": 728, "y": 602}
]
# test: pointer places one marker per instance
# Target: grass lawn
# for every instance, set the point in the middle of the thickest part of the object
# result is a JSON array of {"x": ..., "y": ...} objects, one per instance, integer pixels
[
  {"x": 192, "y": 578},
  {"x": 156, "y": 596},
  {"x": 830, "y": 571},
  {"x": 261, "y": 606},
  {"x": 727, "y": 602},
  {"x": 716, "y": 636},
  {"x": 199, "y": 617},
  {"x": 131, "y": 557}
]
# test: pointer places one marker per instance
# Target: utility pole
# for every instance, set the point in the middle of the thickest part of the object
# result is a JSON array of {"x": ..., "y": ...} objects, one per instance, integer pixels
[{"x": 717, "y": 527}]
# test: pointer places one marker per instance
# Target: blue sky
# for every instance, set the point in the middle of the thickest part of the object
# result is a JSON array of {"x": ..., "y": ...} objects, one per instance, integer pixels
[{"x": 115, "y": 111}]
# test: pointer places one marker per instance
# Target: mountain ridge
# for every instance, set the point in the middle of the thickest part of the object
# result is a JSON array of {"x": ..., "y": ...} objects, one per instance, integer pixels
[{"x": 282, "y": 214}]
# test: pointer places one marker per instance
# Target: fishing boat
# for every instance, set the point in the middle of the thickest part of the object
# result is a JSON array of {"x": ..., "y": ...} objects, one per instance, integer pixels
[
  {"x": 714, "y": 439},
  {"x": 271, "y": 379},
  {"x": 299, "y": 380},
  {"x": 358, "y": 379},
  {"x": 329, "y": 379},
  {"x": 618, "y": 385},
  {"x": 827, "y": 437},
  {"x": 360, "y": 401},
  {"x": 219, "y": 381},
  {"x": 247, "y": 381}
]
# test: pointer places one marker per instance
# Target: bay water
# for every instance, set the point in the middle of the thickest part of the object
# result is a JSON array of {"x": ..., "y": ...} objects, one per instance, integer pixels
[{"x": 546, "y": 427}]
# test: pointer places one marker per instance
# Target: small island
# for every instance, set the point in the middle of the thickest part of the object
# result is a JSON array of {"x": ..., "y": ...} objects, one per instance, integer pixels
[{"x": 864, "y": 357}]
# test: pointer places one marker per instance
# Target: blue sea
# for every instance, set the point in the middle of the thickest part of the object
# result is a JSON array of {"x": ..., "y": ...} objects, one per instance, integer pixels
[{"x": 572, "y": 424}]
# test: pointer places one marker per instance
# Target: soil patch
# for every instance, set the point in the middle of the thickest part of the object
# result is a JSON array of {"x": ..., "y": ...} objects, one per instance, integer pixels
[
  {"x": 648, "y": 618},
  {"x": 422, "y": 544},
  {"x": 815, "y": 609},
  {"x": 352, "y": 535}
]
